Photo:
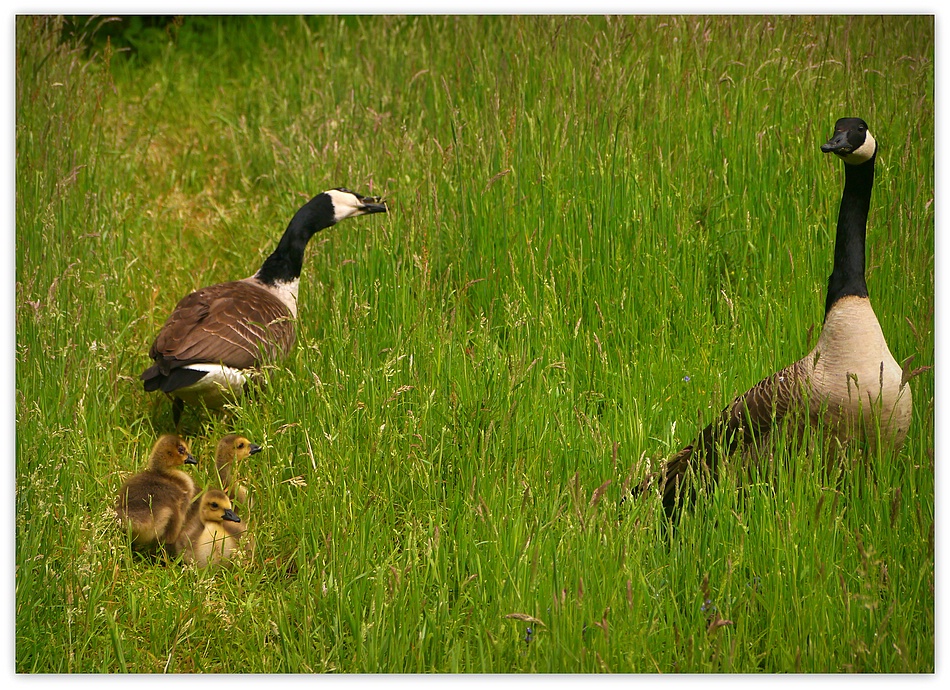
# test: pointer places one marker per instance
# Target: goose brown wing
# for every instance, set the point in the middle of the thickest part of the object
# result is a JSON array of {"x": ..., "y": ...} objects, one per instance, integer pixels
[
  {"x": 754, "y": 412},
  {"x": 745, "y": 419},
  {"x": 229, "y": 323}
]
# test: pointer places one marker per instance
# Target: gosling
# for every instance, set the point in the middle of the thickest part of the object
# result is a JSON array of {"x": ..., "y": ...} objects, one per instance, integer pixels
[
  {"x": 232, "y": 450},
  {"x": 212, "y": 531},
  {"x": 153, "y": 503}
]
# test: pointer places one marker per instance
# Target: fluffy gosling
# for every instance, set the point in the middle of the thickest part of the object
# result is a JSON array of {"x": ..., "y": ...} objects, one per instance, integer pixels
[
  {"x": 152, "y": 504},
  {"x": 212, "y": 532},
  {"x": 232, "y": 450}
]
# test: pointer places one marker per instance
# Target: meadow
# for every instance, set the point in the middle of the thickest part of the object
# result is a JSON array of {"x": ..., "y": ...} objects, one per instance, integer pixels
[{"x": 601, "y": 229}]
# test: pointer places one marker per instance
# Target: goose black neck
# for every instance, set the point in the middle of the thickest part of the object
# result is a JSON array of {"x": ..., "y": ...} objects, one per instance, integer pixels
[
  {"x": 286, "y": 262},
  {"x": 847, "y": 276}
]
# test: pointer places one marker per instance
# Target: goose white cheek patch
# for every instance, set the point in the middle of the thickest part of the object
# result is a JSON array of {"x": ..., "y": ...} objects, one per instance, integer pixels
[
  {"x": 344, "y": 205},
  {"x": 863, "y": 153}
]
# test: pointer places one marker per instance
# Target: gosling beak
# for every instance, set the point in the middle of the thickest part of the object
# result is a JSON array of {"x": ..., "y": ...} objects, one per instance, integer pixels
[
  {"x": 190, "y": 460},
  {"x": 255, "y": 449},
  {"x": 230, "y": 515}
]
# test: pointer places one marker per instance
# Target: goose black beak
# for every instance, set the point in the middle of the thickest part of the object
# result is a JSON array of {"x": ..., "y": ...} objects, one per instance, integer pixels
[
  {"x": 190, "y": 460},
  {"x": 230, "y": 515},
  {"x": 255, "y": 449},
  {"x": 372, "y": 204},
  {"x": 838, "y": 144}
]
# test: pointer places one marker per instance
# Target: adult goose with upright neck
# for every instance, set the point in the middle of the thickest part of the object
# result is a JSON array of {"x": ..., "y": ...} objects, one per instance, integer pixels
[
  {"x": 850, "y": 383},
  {"x": 217, "y": 335}
]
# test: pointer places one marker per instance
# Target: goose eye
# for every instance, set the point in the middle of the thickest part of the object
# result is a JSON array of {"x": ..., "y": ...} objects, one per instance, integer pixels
[
  {"x": 214, "y": 504},
  {"x": 240, "y": 445},
  {"x": 181, "y": 449}
]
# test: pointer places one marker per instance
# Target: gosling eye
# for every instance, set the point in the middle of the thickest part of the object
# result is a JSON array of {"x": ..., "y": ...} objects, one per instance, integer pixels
[
  {"x": 241, "y": 445},
  {"x": 181, "y": 449},
  {"x": 214, "y": 504}
]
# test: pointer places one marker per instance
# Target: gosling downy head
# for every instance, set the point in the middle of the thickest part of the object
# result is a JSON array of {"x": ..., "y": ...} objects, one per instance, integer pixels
[
  {"x": 170, "y": 452},
  {"x": 232, "y": 450},
  {"x": 216, "y": 507},
  {"x": 213, "y": 531}
]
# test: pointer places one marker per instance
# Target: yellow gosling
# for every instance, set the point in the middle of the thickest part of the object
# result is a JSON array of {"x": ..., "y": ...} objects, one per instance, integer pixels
[
  {"x": 152, "y": 504},
  {"x": 232, "y": 450},
  {"x": 213, "y": 530}
]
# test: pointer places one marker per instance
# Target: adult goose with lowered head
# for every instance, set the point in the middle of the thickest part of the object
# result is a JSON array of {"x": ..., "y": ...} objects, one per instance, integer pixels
[
  {"x": 218, "y": 334},
  {"x": 849, "y": 381}
]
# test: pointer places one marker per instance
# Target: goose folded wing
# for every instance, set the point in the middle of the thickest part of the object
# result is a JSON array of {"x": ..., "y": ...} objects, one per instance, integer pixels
[
  {"x": 747, "y": 419},
  {"x": 753, "y": 413},
  {"x": 232, "y": 324}
]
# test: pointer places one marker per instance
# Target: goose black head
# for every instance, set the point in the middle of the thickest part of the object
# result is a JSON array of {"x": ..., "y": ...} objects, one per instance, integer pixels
[
  {"x": 325, "y": 209},
  {"x": 852, "y": 142},
  {"x": 348, "y": 204}
]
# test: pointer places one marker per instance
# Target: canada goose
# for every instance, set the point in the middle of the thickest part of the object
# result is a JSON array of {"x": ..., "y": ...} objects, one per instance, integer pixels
[
  {"x": 232, "y": 450},
  {"x": 216, "y": 334},
  {"x": 152, "y": 504},
  {"x": 212, "y": 530},
  {"x": 850, "y": 381}
]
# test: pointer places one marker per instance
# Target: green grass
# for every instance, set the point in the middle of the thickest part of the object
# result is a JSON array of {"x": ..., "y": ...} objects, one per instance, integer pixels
[{"x": 602, "y": 229}]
